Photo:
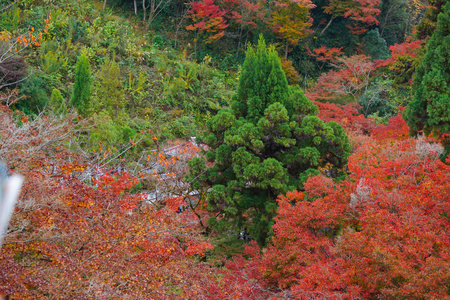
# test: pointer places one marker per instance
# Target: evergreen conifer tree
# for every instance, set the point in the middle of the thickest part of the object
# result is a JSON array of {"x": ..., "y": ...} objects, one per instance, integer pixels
[
  {"x": 262, "y": 82},
  {"x": 374, "y": 45},
  {"x": 430, "y": 109},
  {"x": 81, "y": 98},
  {"x": 264, "y": 146}
]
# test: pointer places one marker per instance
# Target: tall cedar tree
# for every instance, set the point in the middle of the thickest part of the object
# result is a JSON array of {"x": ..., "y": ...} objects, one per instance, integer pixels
[
  {"x": 430, "y": 109},
  {"x": 265, "y": 145},
  {"x": 81, "y": 98}
]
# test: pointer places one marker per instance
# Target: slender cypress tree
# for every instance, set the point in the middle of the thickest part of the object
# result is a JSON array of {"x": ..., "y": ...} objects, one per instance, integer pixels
[{"x": 81, "y": 98}]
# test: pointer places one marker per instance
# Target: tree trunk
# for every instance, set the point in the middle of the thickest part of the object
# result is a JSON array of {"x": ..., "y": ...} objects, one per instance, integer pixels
[
  {"x": 328, "y": 25},
  {"x": 179, "y": 26},
  {"x": 195, "y": 44},
  {"x": 240, "y": 32},
  {"x": 135, "y": 7},
  {"x": 104, "y": 4},
  {"x": 286, "y": 50},
  {"x": 151, "y": 15},
  {"x": 145, "y": 12}
]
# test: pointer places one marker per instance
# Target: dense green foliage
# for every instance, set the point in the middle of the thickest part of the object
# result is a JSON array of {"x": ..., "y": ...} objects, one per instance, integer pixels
[
  {"x": 374, "y": 45},
  {"x": 110, "y": 94},
  {"x": 395, "y": 20},
  {"x": 35, "y": 94},
  {"x": 57, "y": 103},
  {"x": 266, "y": 145},
  {"x": 430, "y": 109},
  {"x": 81, "y": 98},
  {"x": 427, "y": 25}
]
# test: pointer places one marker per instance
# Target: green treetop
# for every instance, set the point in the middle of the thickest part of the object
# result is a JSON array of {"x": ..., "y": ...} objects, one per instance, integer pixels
[
  {"x": 262, "y": 83},
  {"x": 81, "y": 98},
  {"x": 265, "y": 145},
  {"x": 430, "y": 109},
  {"x": 57, "y": 103}
]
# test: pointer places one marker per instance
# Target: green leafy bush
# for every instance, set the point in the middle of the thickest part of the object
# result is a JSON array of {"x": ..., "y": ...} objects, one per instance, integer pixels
[{"x": 35, "y": 94}]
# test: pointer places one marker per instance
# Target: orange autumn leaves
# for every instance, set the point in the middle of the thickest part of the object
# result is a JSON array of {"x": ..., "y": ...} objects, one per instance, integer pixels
[
  {"x": 75, "y": 239},
  {"x": 381, "y": 233},
  {"x": 30, "y": 39}
]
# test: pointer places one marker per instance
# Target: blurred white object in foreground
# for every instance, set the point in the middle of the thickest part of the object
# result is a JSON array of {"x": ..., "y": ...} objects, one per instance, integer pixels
[{"x": 9, "y": 191}]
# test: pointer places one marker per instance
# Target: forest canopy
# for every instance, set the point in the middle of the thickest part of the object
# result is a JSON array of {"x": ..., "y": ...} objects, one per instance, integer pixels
[{"x": 226, "y": 149}]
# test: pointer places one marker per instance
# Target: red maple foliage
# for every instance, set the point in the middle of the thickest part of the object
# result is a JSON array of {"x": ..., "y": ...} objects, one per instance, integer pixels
[
  {"x": 88, "y": 239},
  {"x": 244, "y": 12},
  {"x": 208, "y": 18},
  {"x": 404, "y": 60},
  {"x": 68, "y": 239},
  {"x": 362, "y": 12},
  {"x": 325, "y": 54},
  {"x": 408, "y": 48},
  {"x": 381, "y": 233},
  {"x": 350, "y": 80},
  {"x": 347, "y": 115},
  {"x": 396, "y": 129}
]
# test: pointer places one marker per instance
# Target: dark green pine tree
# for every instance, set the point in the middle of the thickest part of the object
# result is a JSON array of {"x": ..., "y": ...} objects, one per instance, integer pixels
[
  {"x": 265, "y": 145},
  {"x": 81, "y": 98},
  {"x": 430, "y": 109}
]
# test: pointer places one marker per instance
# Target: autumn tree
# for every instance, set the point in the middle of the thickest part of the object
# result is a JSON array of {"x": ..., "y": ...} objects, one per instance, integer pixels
[
  {"x": 403, "y": 61},
  {"x": 244, "y": 15},
  {"x": 362, "y": 12},
  {"x": 430, "y": 109},
  {"x": 375, "y": 235},
  {"x": 265, "y": 145},
  {"x": 81, "y": 97},
  {"x": 208, "y": 21},
  {"x": 83, "y": 237},
  {"x": 370, "y": 246},
  {"x": 350, "y": 81},
  {"x": 71, "y": 238},
  {"x": 324, "y": 54},
  {"x": 348, "y": 115},
  {"x": 290, "y": 20}
]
